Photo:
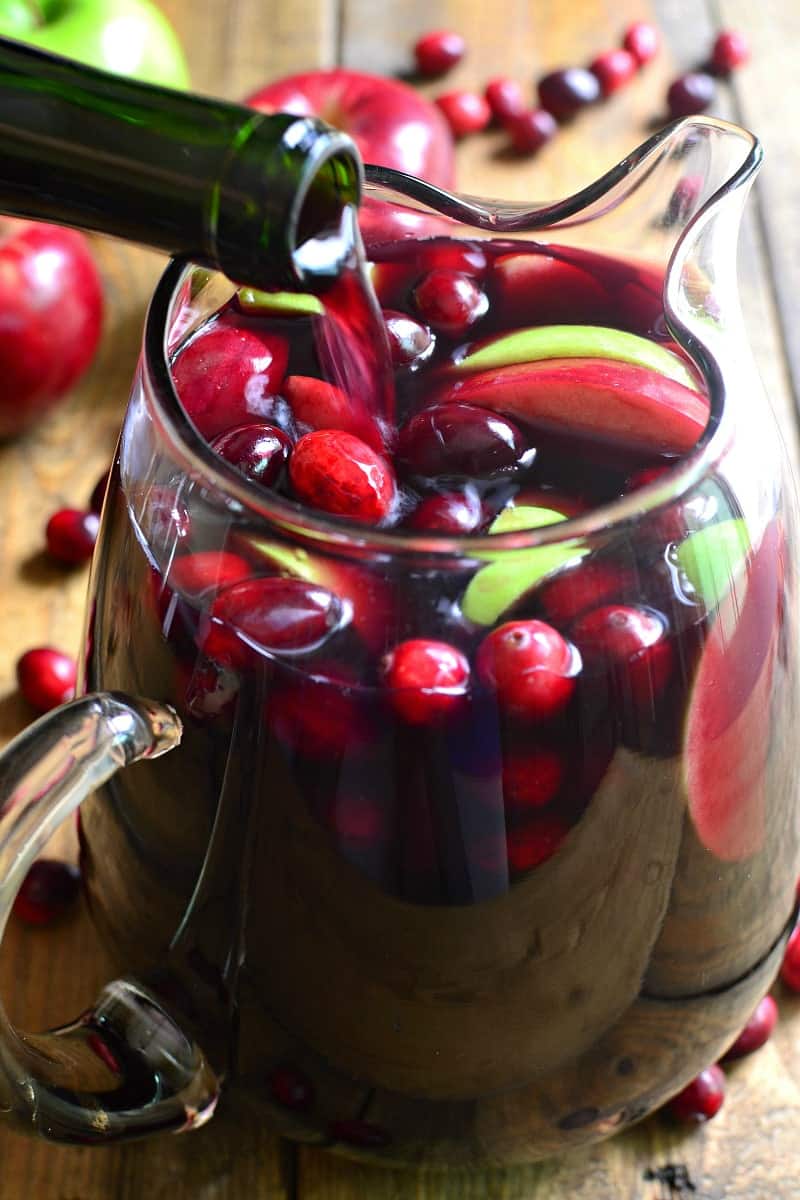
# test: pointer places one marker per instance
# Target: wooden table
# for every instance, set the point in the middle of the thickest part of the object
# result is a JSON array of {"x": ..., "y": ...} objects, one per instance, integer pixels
[{"x": 752, "y": 1150}]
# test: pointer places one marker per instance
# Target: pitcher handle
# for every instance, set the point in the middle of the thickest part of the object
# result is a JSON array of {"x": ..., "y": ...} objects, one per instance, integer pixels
[{"x": 124, "y": 1068}]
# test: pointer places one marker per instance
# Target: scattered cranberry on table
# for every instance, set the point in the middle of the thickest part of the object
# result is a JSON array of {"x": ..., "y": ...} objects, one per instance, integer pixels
[
  {"x": 691, "y": 93},
  {"x": 48, "y": 890},
  {"x": 790, "y": 968},
  {"x": 465, "y": 112},
  {"x": 642, "y": 40},
  {"x": 99, "y": 493},
  {"x": 532, "y": 130},
  {"x": 291, "y": 1088},
  {"x": 46, "y": 677},
  {"x": 505, "y": 98},
  {"x": 701, "y": 1099},
  {"x": 613, "y": 69},
  {"x": 756, "y": 1032},
  {"x": 427, "y": 680},
  {"x": 438, "y": 51},
  {"x": 71, "y": 534},
  {"x": 565, "y": 92},
  {"x": 731, "y": 50}
]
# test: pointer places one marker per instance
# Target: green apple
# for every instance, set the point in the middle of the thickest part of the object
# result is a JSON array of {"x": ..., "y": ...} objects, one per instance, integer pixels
[
  {"x": 575, "y": 341},
  {"x": 496, "y": 587},
  {"x": 280, "y": 304},
  {"x": 712, "y": 559},
  {"x": 126, "y": 37}
]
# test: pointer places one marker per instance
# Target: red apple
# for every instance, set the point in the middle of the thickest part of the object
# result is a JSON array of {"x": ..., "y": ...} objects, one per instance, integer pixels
[
  {"x": 392, "y": 125},
  {"x": 51, "y": 305}
]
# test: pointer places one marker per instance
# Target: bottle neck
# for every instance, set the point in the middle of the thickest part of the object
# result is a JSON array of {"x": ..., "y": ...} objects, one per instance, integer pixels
[{"x": 193, "y": 176}]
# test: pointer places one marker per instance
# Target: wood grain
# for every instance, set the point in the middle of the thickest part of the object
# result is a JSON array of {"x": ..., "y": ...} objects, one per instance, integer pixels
[{"x": 751, "y": 1151}]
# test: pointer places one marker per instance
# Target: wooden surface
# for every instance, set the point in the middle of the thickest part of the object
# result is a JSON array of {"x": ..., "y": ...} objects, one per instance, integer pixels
[{"x": 752, "y": 1150}]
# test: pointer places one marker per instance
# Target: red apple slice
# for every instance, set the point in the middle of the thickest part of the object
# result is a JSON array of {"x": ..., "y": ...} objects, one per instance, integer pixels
[
  {"x": 627, "y": 406},
  {"x": 316, "y": 404},
  {"x": 727, "y": 738},
  {"x": 531, "y": 289}
]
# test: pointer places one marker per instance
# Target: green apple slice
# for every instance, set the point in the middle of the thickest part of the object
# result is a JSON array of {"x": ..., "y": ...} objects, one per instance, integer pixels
[
  {"x": 502, "y": 582},
  {"x": 576, "y": 341},
  {"x": 712, "y": 559},
  {"x": 280, "y": 304}
]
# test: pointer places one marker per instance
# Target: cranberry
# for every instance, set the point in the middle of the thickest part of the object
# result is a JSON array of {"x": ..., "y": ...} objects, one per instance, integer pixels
[
  {"x": 427, "y": 680},
  {"x": 790, "y": 968},
  {"x": 565, "y": 92},
  {"x": 438, "y": 51},
  {"x": 731, "y": 50},
  {"x": 49, "y": 888},
  {"x": 71, "y": 534},
  {"x": 450, "y": 301},
  {"x": 533, "y": 843},
  {"x": 46, "y": 677},
  {"x": 99, "y": 493},
  {"x": 205, "y": 571},
  {"x": 359, "y": 1133},
  {"x": 321, "y": 716},
  {"x": 642, "y": 40},
  {"x": 583, "y": 586},
  {"x": 291, "y": 1088},
  {"x": 457, "y": 513},
  {"x": 260, "y": 452},
  {"x": 630, "y": 644},
  {"x": 614, "y": 69},
  {"x": 357, "y": 819},
  {"x": 275, "y": 613},
  {"x": 460, "y": 439},
  {"x": 530, "y": 667},
  {"x": 701, "y": 1099},
  {"x": 317, "y": 404},
  {"x": 531, "y": 130},
  {"x": 227, "y": 375},
  {"x": 691, "y": 93},
  {"x": 757, "y": 1031},
  {"x": 338, "y": 473},
  {"x": 410, "y": 342},
  {"x": 505, "y": 98},
  {"x": 465, "y": 112},
  {"x": 531, "y": 780}
]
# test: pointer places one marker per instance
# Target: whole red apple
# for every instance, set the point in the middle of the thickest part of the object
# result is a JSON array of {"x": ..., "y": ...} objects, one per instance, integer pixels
[
  {"x": 51, "y": 305},
  {"x": 392, "y": 125}
]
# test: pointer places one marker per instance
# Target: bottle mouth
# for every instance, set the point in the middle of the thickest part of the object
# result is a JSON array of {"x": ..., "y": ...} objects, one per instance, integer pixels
[{"x": 254, "y": 504}]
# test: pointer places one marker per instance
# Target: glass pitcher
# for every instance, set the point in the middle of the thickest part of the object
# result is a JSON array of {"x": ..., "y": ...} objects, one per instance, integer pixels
[{"x": 476, "y": 941}]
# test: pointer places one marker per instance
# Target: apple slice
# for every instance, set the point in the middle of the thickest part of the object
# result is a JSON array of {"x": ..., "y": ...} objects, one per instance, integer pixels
[
  {"x": 279, "y": 304},
  {"x": 495, "y": 588},
  {"x": 527, "y": 289},
  {"x": 622, "y": 404},
  {"x": 574, "y": 341},
  {"x": 727, "y": 733}
]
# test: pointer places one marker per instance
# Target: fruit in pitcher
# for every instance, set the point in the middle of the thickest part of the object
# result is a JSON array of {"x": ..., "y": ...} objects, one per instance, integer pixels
[
  {"x": 392, "y": 125},
  {"x": 427, "y": 680},
  {"x": 528, "y": 289},
  {"x": 457, "y": 439},
  {"x": 530, "y": 667},
  {"x": 51, "y": 306},
  {"x": 259, "y": 452},
  {"x": 338, "y": 473}
]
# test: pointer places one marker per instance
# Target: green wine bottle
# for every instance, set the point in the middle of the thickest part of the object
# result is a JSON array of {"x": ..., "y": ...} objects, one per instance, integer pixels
[{"x": 199, "y": 178}]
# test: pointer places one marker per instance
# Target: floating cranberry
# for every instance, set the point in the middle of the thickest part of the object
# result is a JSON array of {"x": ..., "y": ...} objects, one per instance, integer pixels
[
  {"x": 450, "y": 301},
  {"x": 438, "y": 51},
  {"x": 614, "y": 69},
  {"x": 274, "y": 613},
  {"x": 49, "y": 888},
  {"x": 410, "y": 342},
  {"x": 530, "y": 667},
  {"x": 642, "y": 40},
  {"x": 631, "y": 645},
  {"x": 701, "y": 1099},
  {"x": 260, "y": 452},
  {"x": 535, "y": 842},
  {"x": 227, "y": 376},
  {"x": 461, "y": 439},
  {"x": 46, "y": 677},
  {"x": 457, "y": 513},
  {"x": 571, "y": 592},
  {"x": 71, "y": 534},
  {"x": 531, "y": 130},
  {"x": 99, "y": 493},
  {"x": 465, "y": 112},
  {"x": 321, "y": 716},
  {"x": 731, "y": 50},
  {"x": 757, "y": 1031},
  {"x": 531, "y": 779},
  {"x": 317, "y": 404},
  {"x": 205, "y": 571},
  {"x": 427, "y": 680},
  {"x": 691, "y": 93},
  {"x": 565, "y": 92},
  {"x": 291, "y": 1088},
  {"x": 339, "y": 474},
  {"x": 790, "y": 967},
  {"x": 505, "y": 98},
  {"x": 359, "y": 1133}
]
